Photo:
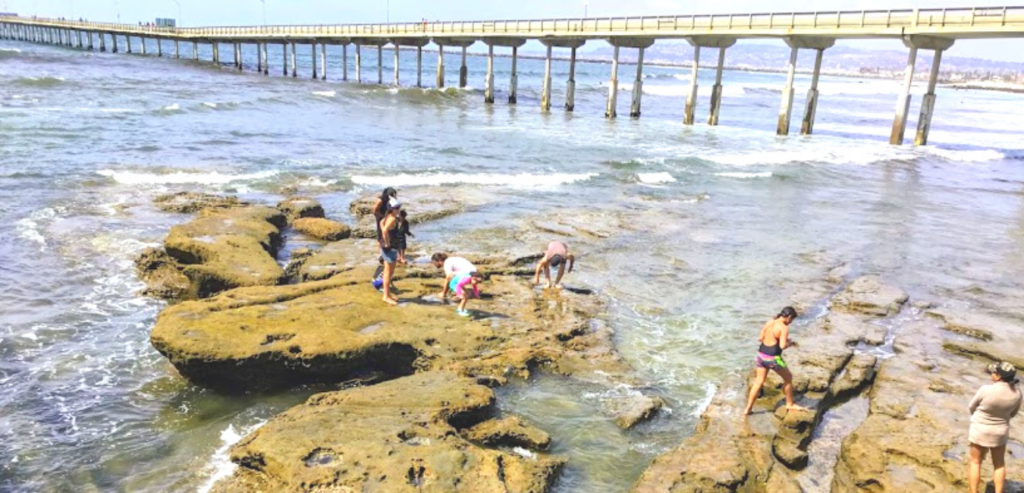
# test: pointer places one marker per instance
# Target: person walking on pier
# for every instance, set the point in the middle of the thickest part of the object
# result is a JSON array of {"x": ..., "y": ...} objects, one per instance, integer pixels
[
  {"x": 991, "y": 410},
  {"x": 389, "y": 248},
  {"x": 555, "y": 256},
  {"x": 774, "y": 337}
]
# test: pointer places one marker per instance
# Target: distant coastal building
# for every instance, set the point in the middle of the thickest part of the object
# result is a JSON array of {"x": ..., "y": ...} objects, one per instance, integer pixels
[{"x": 162, "y": 22}]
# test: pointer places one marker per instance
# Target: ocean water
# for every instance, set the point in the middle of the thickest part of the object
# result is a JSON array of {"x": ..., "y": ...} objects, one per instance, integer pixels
[{"x": 711, "y": 229}]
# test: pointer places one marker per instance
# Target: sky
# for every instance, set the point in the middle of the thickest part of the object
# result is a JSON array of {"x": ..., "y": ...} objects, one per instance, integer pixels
[{"x": 251, "y": 12}]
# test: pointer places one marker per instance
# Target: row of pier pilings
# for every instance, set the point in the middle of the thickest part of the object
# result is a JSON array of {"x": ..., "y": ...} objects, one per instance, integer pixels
[{"x": 85, "y": 40}]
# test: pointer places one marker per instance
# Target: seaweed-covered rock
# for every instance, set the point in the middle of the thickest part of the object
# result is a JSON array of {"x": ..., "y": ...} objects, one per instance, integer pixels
[
  {"x": 338, "y": 328},
  {"x": 190, "y": 202},
  {"x": 398, "y": 436},
  {"x": 300, "y": 207},
  {"x": 322, "y": 229},
  {"x": 162, "y": 275},
  {"x": 225, "y": 249}
]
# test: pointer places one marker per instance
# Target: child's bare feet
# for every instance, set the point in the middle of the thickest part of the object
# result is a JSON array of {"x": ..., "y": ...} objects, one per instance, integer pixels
[
  {"x": 390, "y": 301},
  {"x": 795, "y": 407}
]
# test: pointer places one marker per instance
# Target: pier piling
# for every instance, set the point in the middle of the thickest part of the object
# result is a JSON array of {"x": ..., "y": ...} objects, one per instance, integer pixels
[
  {"x": 323, "y": 61},
  {"x": 545, "y": 95},
  {"x": 613, "y": 85},
  {"x": 811, "y": 107},
  {"x": 419, "y": 66},
  {"x": 899, "y": 124},
  {"x": 312, "y": 59},
  {"x": 159, "y": 48},
  {"x": 638, "y": 84},
  {"x": 259, "y": 58},
  {"x": 513, "y": 78},
  {"x": 344, "y": 62},
  {"x": 440, "y": 67},
  {"x": 380, "y": 64},
  {"x": 463, "y": 71},
  {"x": 787, "y": 94},
  {"x": 359, "y": 65},
  {"x": 284, "y": 59},
  {"x": 266, "y": 58},
  {"x": 570, "y": 85},
  {"x": 295, "y": 69},
  {"x": 396, "y": 83},
  {"x": 937, "y": 45},
  {"x": 716, "y": 90},
  {"x": 103, "y": 43},
  {"x": 489, "y": 78},
  {"x": 142, "y": 43},
  {"x": 691, "y": 97}
]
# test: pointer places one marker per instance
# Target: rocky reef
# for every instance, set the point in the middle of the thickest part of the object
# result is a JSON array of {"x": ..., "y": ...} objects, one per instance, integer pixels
[
  {"x": 914, "y": 438},
  {"x": 423, "y": 415},
  {"x": 429, "y": 432}
]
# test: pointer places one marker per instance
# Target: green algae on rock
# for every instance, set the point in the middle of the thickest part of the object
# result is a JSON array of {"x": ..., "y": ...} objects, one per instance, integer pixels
[
  {"x": 397, "y": 436},
  {"x": 221, "y": 249},
  {"x": 321, "y": 229},
  {"x": 301, "y": 207},
  {"x": 190, "y": 202}
]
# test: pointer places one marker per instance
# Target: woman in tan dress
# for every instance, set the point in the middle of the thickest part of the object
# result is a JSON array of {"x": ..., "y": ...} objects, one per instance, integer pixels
[{"x": 991, "y": 410}]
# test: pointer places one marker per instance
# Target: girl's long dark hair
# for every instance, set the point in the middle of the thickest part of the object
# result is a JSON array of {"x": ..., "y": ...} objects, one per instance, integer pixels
[
  {"x": 787, "y": 312},
  {"x": 385, "y": 197}
]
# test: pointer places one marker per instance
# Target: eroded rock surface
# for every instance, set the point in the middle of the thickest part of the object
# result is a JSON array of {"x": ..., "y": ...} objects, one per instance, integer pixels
[
  {"x": 301, "y": 207},
  {"x": 508, "y": 432},
  {"x": 398, "y": 436},
  {"x": 763, "y": 452},
  {"x": 335, "y": 329},
  {"x": 869, "y": 295},
  {"x": 322, "y": 229},
  {"x": 220, "y": 250},
  {"x": 190, "y": 202}
]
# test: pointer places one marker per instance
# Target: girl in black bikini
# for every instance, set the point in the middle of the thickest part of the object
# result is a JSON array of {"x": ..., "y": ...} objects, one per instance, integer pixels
[{"x": 774, "y": 338}]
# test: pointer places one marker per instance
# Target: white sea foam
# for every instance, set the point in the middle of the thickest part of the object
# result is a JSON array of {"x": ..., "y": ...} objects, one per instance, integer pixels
[
  {"x": 29, "y": 228},
  {"x": 317, "y": 182},
  {"x": 326, "y": 94},
  {"x": 524, "y": 180},
  {"x": 181, "y": 177},
  {"x": 220, "y": 465},
  {"x": 709, "y": 394},
  {"x": 655, "y": 178},
  {"x": 171, "y": 107},
  {"x": 210, "y": 105},
  {"x": 738, "y": 174},
  {"x": 975, "y": 156},
  {"x": 11, "y": 50}
]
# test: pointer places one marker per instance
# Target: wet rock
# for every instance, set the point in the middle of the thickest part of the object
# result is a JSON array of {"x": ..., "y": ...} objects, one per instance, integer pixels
[
  {"x": 301, "y": 207},
  {"x": 322, "y": 229},
  {"x": 298, "y": 258},
  {"x": 334, "y": 330},
  {"x": 398, "y": 436},
  {"x": 970, "y": 324},
  {"x": 508, "y": 432},
  {"x": 335, "y": 258},
  {"x": 635, "y": 408},
  {"x": 730, "y": 453},
  {"x": 191, "y": 202},
  {"x": 226, "y": 249},
  {"x": 860, "y": 372},
  {"x": 871, "y": 296},
  {"x": 162, "y": 275}
]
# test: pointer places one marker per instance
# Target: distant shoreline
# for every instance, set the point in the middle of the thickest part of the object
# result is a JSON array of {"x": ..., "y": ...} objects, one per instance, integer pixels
[{"x": 959, "y": 85}]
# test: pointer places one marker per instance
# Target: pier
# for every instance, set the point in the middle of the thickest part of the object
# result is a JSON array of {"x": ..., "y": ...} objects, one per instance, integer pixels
[{"x": 917, "y": 29}]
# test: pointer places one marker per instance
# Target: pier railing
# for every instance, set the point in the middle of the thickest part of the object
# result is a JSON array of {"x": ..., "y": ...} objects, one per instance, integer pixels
[{"x": 835, "y": 22}]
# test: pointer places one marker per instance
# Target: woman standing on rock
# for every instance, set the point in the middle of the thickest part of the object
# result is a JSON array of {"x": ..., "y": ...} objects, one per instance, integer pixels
[
  {"x": 991, "y": 410},
  {"x": 389, "y": 247},
  {"x": 380, "y": 209},
  {"x": 774, "y": 337}
]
